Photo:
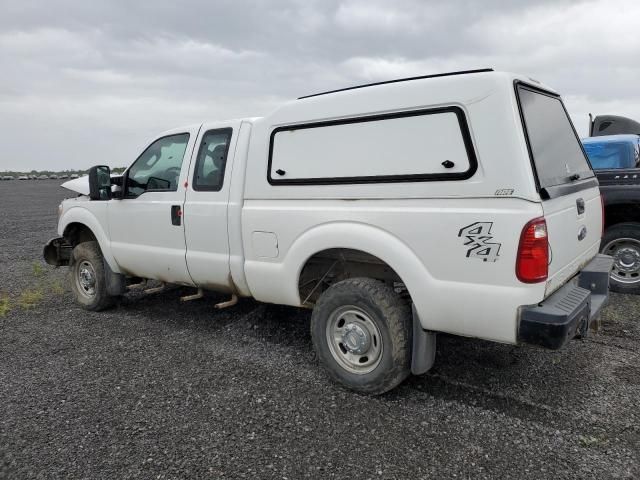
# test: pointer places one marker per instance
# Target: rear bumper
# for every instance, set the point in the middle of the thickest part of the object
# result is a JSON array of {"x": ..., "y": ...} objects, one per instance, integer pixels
[{"x": 571, "y": 310}]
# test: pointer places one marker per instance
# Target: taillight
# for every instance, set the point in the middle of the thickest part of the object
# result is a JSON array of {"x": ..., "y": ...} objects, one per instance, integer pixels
[{"x": 532, "y": 263}]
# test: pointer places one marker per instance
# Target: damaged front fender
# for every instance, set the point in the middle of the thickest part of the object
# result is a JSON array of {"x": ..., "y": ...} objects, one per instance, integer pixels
[{"x": 57, "y": 252}]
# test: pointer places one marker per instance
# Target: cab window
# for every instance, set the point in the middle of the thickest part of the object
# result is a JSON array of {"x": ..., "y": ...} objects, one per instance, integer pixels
[
  {"x": 212, "y": 159},
  {"x": 158, "y": 168}
]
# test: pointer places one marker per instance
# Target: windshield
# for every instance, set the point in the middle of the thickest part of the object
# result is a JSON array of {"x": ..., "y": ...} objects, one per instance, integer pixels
[
  {"x": 606, "y": 155},
  {"x": 555, "y": 147}
]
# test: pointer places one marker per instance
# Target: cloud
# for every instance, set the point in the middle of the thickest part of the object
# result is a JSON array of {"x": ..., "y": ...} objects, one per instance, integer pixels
[
  {"x": 362, "y": 16},
  {"x": 92, "y": 82}
]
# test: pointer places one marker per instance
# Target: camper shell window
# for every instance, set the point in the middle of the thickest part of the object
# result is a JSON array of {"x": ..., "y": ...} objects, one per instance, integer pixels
[{"x": 414, "y": 146}]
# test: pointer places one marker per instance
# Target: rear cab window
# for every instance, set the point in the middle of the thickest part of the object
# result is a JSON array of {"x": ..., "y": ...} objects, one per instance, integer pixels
[
  {"x": 559, "y": 161},
  {"x": 212, "y": 159}
]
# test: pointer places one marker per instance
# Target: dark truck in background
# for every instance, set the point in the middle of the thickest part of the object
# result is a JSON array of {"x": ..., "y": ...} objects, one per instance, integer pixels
[{"x": 613, "y": 148}]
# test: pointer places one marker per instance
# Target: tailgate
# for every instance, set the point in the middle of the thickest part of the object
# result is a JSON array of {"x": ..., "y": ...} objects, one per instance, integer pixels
[
  {"x": 574, "y": 226},
  {"x": 567, "y": 185}
]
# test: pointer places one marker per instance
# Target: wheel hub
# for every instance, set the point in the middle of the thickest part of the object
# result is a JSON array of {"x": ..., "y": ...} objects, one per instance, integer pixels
[
  {"x": 628, "y": 259},
  {"x": 87, "y": 278},
  {"x": 356, "y": 339},
  {"x": 626, "y": 256}
]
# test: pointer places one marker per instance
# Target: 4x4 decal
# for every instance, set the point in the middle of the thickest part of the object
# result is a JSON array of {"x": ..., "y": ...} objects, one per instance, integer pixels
[{"x": 478, "y": 238}]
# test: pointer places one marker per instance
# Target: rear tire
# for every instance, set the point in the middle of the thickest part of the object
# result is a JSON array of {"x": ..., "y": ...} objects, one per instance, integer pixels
[
  {"x": 87, "y": 277},
  {"x": 622, "y": 242},
  {"x": 361, "y": 331}
]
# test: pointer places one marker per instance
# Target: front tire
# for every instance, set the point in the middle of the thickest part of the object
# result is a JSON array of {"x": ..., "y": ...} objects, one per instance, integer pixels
[
  {"x": 361, "y": 332},
  {"x": 622, "y": 242},
  {"x": 88, "y": 281}
]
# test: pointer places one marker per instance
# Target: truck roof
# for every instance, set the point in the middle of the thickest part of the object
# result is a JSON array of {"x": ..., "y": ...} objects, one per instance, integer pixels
[
  {"x": 464, "y": 87},
  {"x": 470, "y": 73},
  {"x": 407, "y": 79},
  {"x": 193, "y": 126}
]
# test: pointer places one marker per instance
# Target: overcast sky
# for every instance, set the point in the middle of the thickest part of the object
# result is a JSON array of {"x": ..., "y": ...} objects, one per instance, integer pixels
[{"x": 91, "y": 82}]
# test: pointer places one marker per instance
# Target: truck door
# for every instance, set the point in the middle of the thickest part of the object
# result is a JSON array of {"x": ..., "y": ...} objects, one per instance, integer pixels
[
  {"x": 147, "y": 225},
  {"x": 206, "y": 206}
]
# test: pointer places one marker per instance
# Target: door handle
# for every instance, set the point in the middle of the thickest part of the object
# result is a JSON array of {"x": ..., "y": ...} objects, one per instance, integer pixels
[
  {"x": 580, "y": 206},
  {"x": 176, "y": 215}
]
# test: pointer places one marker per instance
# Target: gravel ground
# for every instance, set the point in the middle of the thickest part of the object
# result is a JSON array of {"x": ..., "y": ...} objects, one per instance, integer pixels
[{"x": 155, "y": 389}]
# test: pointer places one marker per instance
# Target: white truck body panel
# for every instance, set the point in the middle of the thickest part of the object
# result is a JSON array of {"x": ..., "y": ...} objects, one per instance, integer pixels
[
  {"x": 205, "y": 214},
  {"x": 419, "y": 239},
  {"x": 141, "y": 232},
  {"x": 78, "y": 185},
  {"x": 93, "y": 215},
  {"x": 564, "y": 226},
  {"x": 236, "y": 203}
]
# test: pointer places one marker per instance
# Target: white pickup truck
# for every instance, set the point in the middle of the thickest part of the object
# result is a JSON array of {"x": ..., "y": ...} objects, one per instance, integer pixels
[{"x": 459, "y": 203}]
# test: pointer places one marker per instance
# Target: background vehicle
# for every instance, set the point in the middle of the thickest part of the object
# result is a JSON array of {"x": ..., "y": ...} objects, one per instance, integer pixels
[
  {"x": 603, "y": 125},
  {"x": 394, "y": 210},
  {"x": 616, "y": 160}
]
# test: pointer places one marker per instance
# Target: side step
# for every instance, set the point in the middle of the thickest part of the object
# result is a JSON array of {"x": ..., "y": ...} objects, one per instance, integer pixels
[
  {"x": 137, "y": 286},
  {"x": 155, "y": 289},
  {"x": 229, "y": 303},
  {"x": 196, "y": 296}
]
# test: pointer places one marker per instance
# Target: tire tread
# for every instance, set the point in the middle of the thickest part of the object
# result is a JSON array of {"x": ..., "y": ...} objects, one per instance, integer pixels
[
  {"x": 396, "y": 313},
  {"x": 622, "y": 230},
  {"x": 91, "y": 251}
]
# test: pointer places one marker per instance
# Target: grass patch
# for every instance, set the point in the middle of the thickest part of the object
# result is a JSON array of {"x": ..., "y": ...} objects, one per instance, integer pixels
[
  {"x": 5, "y": 305},
  {"x": 29, "y": 299},
  {"x": 589, "y": 441},
  {"x": 57, "y": 288},
  {"x": 38, "y": 270}
]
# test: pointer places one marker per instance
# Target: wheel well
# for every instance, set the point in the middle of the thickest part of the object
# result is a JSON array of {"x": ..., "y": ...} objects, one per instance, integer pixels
[
  {"x": 76, "y": 233},
  {"x": 330, "y": 266},
  {"x": 614, "y": 214}
]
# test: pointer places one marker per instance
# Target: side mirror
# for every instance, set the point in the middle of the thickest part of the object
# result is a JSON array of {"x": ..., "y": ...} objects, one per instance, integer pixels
[{"x": 100, "y": 183}]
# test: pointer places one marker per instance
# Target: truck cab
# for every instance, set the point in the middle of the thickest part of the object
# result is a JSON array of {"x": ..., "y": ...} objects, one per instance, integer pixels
[
  {"x": 182, "y": 177},
  {"x": 167, "y": 188}
]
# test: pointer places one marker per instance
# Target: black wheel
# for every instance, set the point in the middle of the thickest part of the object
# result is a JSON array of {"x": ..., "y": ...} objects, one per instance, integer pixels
[
  {"x": 622, "y": 242},
  {"x": 361, "y": 331},
  {"x": 87, "y": 272}
]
